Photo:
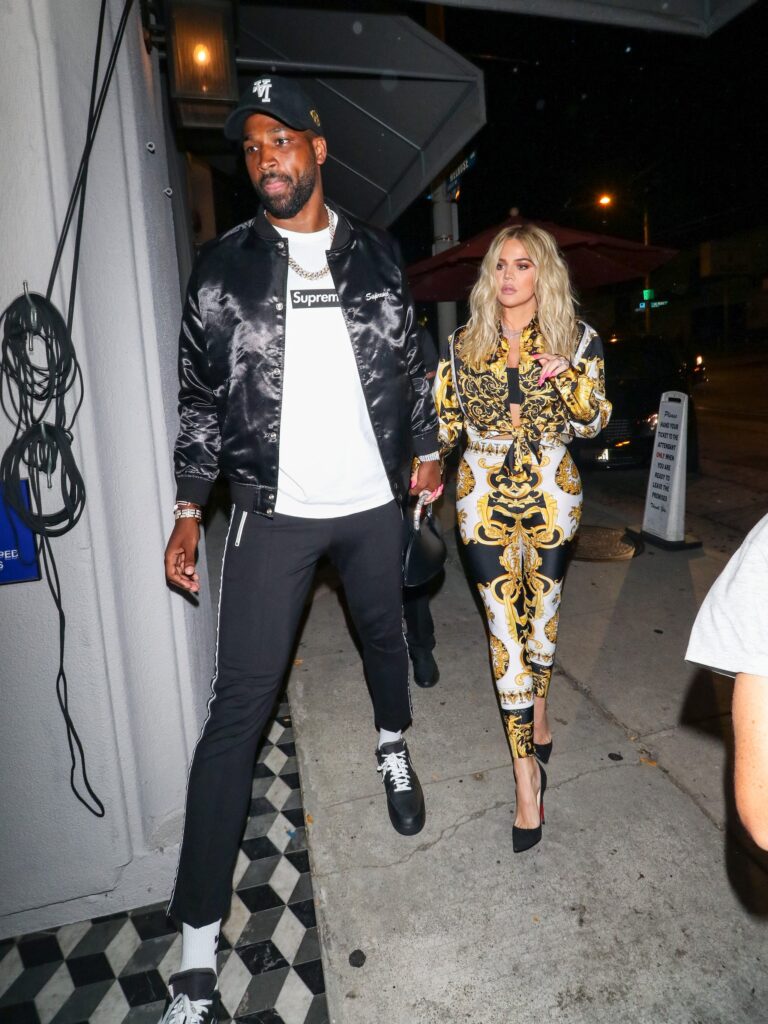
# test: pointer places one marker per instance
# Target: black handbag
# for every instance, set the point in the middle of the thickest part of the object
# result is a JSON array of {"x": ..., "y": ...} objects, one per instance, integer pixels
[{"x": 426, "y": 551}]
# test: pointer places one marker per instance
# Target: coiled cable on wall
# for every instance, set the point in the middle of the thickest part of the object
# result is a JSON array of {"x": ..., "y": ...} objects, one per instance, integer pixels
[
  {"x": 39, "y": 374},
  {"x": 38, "y": 368}
]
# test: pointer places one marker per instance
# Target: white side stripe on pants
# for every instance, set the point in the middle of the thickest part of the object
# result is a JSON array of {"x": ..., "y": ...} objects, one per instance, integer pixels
[{"x": 210, "y": 699}]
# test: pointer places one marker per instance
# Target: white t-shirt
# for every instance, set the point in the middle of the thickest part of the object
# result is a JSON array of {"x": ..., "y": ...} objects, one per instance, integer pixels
[
  {"x": 329, "y": 462},
  {"x": 730, "y": 634}
]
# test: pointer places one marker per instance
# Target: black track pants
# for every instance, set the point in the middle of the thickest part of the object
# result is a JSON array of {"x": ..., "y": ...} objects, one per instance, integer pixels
[{"x": 268, "y": 569}]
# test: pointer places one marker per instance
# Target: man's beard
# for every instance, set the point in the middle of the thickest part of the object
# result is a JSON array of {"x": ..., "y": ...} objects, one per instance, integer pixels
[{"x": 286, "y": 206}]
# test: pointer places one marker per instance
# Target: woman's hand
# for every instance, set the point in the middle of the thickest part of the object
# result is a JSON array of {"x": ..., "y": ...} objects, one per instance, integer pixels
[
  {"x": 551, "y": 365},
  {"x": 427, "y": 478}
]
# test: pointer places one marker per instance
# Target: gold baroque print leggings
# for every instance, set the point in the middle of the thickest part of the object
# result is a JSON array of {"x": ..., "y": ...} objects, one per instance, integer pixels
[{"x": 518, "y": 512}]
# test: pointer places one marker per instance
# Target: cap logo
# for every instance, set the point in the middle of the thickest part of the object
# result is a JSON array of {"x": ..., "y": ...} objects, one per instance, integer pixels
[
  {"x": 262, "y": 89},
  {"x": 315, "y": 117}
]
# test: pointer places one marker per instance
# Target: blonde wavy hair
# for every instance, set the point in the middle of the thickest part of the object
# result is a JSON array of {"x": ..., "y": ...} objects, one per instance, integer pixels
[{"x": 554, "y": 298}]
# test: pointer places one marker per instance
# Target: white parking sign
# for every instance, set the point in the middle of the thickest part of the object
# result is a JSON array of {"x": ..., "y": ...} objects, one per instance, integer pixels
[{"x": 664, "y": 516}]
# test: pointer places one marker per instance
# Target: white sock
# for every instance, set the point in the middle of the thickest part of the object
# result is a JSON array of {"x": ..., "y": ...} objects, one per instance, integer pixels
[
  {"x": 198, "y": 946},
  {"x": 389, "y": 737}
]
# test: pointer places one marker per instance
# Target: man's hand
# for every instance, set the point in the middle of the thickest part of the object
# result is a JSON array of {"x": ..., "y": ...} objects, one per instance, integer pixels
[
  {"x": 180, "y": 556},
  {"x": 427, "y": 478}
]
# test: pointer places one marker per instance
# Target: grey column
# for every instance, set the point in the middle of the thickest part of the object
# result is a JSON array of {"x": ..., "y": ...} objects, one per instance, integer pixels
[{"x": 138, "y": 657}]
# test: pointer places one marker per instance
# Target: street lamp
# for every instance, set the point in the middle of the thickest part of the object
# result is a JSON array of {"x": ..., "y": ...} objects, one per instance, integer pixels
[{"x": 605, "y": 200}]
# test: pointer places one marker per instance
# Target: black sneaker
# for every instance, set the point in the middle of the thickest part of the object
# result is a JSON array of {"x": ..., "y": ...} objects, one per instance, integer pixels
[
  {"x": 425, "y": 670},
  {"x": 405, "y": 799},
  {"x": 194, "y": 998}
]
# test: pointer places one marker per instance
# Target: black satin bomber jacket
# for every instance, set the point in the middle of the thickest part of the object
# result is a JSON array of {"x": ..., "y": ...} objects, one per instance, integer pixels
[{"x": 231, "y": 357}]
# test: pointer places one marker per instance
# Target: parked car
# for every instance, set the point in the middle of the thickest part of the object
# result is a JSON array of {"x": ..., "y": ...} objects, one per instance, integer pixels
[{"x": 638, "y": 370}]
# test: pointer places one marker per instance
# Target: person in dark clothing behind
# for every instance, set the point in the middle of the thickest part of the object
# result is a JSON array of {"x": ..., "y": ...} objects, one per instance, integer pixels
[{"x": 420, "y": 627}]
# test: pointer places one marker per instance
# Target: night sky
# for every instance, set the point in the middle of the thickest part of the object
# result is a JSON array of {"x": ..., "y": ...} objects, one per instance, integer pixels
[{"x": 575, "y": 109}]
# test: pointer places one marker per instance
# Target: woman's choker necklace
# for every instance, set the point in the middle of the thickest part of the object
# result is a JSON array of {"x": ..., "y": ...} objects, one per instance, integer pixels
[{"x": 509, "y": 334}]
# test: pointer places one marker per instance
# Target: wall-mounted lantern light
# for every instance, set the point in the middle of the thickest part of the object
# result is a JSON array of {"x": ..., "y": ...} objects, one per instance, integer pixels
[{"x": 200, "y": 49}]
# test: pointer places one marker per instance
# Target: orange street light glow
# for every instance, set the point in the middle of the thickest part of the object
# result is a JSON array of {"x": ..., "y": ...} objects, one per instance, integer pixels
[
  {"x": 201, "y": 55},
  {"x": 605, "y": 200}
]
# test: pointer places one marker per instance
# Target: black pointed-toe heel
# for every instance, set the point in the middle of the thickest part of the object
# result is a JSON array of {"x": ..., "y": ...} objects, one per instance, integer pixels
[
  {"x": 526, "y": 838},
  {"x": 543, "y": 751}
]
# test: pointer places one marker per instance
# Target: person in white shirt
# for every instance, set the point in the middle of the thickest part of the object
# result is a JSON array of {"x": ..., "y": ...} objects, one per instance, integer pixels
[{"x": 730, "y": 636}]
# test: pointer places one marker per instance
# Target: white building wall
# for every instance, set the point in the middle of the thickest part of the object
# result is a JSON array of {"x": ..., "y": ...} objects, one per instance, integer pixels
[{"x": 138, "y": 657}]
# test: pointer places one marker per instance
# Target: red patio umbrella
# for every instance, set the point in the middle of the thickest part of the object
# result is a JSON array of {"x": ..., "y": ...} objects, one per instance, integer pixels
[{"x": 593, "y": 260}]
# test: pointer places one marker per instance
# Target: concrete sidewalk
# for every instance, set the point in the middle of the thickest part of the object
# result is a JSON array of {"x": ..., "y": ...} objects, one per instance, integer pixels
[{"x": 637, "y": 905}]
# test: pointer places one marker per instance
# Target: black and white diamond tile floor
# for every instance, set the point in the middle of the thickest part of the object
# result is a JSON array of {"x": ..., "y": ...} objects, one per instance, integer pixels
[{"x": 114, "y": 970}]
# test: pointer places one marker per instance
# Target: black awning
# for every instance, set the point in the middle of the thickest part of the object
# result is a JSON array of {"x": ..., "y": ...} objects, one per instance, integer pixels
[
  {"x": 397, "y": 104},
  {"x": 692, "y": 17}
]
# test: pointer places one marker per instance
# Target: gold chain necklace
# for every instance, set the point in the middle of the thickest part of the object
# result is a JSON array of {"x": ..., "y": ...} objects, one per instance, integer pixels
[{"x": 315, "y": 275}]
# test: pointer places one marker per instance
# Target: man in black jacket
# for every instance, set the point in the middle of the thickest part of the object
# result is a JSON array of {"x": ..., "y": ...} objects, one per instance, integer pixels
[{"x": 301, "y": 382}]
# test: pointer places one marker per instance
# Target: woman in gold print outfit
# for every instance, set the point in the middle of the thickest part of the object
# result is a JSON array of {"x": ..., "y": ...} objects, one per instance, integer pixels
[{"x": 524, "y": 375}]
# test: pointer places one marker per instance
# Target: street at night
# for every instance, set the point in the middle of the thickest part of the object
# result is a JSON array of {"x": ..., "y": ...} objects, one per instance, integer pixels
[
  {"x": 732, "y": 418},
  {"x": 732, "y": 410}
]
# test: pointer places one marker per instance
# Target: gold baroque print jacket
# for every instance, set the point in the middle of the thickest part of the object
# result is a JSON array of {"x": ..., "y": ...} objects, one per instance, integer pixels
[{"x": 572, "y": 403}]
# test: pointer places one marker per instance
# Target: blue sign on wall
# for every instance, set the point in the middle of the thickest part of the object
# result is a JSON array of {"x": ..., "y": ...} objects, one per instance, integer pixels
[{"x": 18, "y": 553}]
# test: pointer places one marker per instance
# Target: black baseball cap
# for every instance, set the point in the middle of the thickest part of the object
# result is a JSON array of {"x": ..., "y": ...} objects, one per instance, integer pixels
[{"x": 281, "y": 98}]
